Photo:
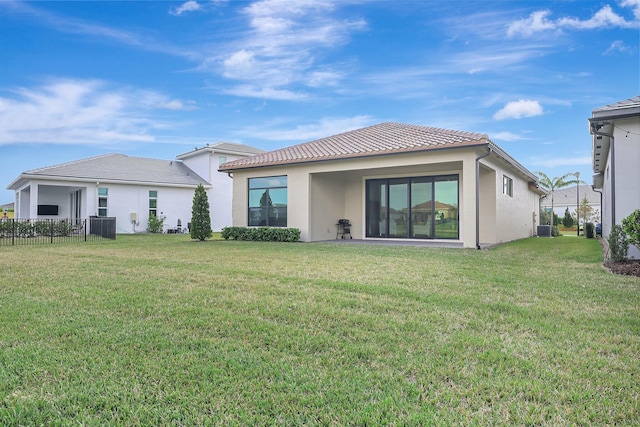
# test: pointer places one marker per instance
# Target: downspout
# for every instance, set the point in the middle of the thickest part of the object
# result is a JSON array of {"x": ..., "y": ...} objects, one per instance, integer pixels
[
  {"x": 593, "y": 187},
  {"x": 478, "y": 195},
  {"x": 596, "y": 131}
]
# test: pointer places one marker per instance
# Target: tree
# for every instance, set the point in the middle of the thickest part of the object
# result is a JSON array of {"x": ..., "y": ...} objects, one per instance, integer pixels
[
  {"x": 586, "y": 211},
  {"x": 631, "y": 225},
  {"x": 567, "y": 221},
  {"x": 200, "y": 218},
  {"x": 556, "y": 183}
]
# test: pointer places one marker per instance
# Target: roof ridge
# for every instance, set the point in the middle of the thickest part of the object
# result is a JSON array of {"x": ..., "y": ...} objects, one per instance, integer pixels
[{"x": 73, "y": 162}]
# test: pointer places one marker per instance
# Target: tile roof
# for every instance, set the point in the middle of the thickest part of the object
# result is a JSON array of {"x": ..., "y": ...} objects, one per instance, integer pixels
[
  {"x": 383, "y": 138},
  {"x": 122, "y": 168}
]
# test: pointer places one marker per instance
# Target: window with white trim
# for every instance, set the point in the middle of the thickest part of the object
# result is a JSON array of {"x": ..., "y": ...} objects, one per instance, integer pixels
[
  {"x": 507, "y": 186},
  {"x": 103, "y": 194}
]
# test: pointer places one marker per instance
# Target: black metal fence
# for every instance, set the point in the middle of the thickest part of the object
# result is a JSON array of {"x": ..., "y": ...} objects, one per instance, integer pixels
[{"x": 39, "y": 231}]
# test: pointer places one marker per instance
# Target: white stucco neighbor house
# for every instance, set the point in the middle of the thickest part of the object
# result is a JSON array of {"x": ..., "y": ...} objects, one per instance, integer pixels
[
  {"x": 130, "y": 188},
  {"x": 615, "y": 155},
  {"x": 567, "y": 197},
  {"x": 391, "y": 181}
]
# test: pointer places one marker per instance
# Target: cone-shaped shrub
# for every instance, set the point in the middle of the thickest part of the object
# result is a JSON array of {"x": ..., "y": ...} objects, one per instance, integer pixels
[{"x": 200, "y": 218}]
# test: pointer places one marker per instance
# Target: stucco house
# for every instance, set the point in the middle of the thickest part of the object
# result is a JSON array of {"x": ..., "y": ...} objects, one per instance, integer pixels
[
  {"x": 130, "y": 188},
  {"x": 566, "y": 198},
  {"x": 615, "y": 155},
  {"x": 391, "y": 181}
]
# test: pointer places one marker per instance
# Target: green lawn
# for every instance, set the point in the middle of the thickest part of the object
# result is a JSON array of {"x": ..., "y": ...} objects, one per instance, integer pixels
[{"x": 161, "y": 330}]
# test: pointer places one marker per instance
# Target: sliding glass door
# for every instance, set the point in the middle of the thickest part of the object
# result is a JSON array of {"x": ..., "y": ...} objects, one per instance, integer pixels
[{"x": 412, "y": 208}]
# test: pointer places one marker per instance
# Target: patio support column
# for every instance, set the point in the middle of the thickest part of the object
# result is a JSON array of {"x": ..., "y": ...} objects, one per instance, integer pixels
[
  {"x": 468, "y": 202},
  {"x": 33, "y": 201}
]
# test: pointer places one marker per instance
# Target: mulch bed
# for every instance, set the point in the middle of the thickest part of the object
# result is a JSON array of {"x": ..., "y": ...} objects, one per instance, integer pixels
[{"x": 627, "y": 268}]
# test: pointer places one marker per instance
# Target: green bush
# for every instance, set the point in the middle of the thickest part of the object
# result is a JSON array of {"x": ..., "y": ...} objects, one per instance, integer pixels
[
  {"x": 631, "y": 226},
  {"x": 261, "y": 234},
  {"x": 567, "y": 221},
  {"x": 25, "y": 229},
  {"x": 589, "y": 230},
  {"x": 155, "y": 224},
  {"x": 555, "y": 232},
  {"x": 618, "y": 243},
  {"x": 6, "y": 228}
]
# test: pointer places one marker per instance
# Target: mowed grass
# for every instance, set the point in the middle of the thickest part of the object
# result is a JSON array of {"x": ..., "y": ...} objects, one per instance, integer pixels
[{"x": 162, "y": 330}]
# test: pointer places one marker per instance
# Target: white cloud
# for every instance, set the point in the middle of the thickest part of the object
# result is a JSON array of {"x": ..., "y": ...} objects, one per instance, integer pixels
[
  {"x": 617, "y": 46},
  {"x": 519, "y": 109},
  {"x": 188, "y": 6},
  {"x": 251, "y": 91},
  {"x": 81, "y": 112},
  {"x": 606, "y": 17},
  {"x": 506, "y": 136},
  {"x": 281, "y": 51},
  {"x": 635, "y": 4},
  {"x": 309, "y": 132}
]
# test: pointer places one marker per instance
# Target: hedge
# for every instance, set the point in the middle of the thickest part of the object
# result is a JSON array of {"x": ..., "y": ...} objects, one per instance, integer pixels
[{"x": 261, "y": 234}]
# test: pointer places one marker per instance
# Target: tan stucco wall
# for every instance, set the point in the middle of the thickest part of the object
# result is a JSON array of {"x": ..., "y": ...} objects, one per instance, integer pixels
[
  {"x": 514, "y": 215},
  {"x": 488, "y": 220}
]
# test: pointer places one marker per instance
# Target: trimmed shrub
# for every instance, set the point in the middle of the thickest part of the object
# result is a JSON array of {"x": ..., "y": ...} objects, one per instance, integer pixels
[
  {"x": 589, "y": 230},
  {"x": 555, "y": 232},
  {"x": 200, "y": 215},
  {"x": 261, "y": 234},
  {"x": 618, "y": 243}
]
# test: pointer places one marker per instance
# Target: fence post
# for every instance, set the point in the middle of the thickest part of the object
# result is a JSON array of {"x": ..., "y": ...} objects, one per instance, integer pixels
[
  {"x": 51, "y": 229},
  {"x": 13, "y": 232}
]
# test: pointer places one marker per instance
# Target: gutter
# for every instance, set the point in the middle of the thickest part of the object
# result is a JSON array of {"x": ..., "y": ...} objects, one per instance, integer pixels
[
  {"x": 595, "y": 130},
  {"x": 489, "y": 150}
]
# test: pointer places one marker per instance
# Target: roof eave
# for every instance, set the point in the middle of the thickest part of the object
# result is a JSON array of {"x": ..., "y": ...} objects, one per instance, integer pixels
[
  {"x": 28, "y": 177},
  {"x": 526, "y": 172},
  {"x": 479, "y": 143}
]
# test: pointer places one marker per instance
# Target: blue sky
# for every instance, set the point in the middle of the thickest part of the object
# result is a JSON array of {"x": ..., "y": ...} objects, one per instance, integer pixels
[{"x": 158, "y": 78}]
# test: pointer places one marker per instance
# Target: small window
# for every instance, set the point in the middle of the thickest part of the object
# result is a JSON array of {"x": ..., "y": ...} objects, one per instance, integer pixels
[
  {"x": 153, "y": 203},
  {"x": 103, "y": 194},
  {"x": 222, "y": 159},
  {"x": 507, "y": 186}
]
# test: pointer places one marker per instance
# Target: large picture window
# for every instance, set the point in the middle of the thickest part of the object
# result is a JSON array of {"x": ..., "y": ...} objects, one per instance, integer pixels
[
  {"x": 268, "y": 201},
  {"x": 413, "y": 208}
]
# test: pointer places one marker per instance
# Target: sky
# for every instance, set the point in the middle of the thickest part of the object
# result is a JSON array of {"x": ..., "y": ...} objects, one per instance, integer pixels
[{"x": 158, "y": 78}]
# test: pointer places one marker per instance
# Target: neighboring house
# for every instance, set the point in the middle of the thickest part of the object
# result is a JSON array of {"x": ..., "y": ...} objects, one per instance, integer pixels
[
  {"x": 615, "y": 153},
  {"x": 205, "y": 162},
  {"x": 129, "y": 188},
  {"x": 566, "y": 198},
  {"x": 392, "y": 181},
  {"x": 7, "y": 210}
]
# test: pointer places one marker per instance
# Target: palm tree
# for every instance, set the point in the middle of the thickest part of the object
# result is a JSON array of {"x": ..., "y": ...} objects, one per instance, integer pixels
[{"x": 551, "y": 185}]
